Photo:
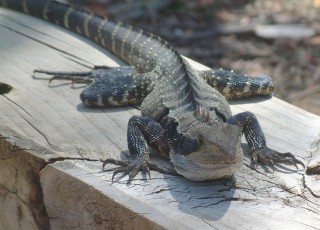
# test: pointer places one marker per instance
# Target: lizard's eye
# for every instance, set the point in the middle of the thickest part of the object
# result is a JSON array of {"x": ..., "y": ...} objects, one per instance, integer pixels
[{"x": 200, "y": 141}]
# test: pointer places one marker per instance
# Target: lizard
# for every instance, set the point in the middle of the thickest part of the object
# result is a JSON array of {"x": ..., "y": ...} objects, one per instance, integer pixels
[{"x": 185, "y": 114}]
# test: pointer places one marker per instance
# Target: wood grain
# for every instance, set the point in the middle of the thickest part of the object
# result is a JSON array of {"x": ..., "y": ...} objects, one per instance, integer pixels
[{"x": 51, "y": 148}]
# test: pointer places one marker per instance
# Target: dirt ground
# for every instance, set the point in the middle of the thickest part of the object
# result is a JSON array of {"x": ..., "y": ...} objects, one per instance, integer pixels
[{"x": 232, "y": 34}]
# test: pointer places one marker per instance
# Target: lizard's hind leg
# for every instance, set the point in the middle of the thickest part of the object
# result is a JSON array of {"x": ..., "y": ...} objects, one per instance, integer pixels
[
  {"x": 116, "y": 86},
  {"x": 235, "y": 85}
]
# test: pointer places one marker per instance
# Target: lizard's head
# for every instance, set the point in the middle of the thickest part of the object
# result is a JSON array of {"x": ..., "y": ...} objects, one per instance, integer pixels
[{"x": 209, "y": 150}]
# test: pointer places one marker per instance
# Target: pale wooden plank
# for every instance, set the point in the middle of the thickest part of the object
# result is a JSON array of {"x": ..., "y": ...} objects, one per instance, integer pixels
[{"x": 50, "y": 123}]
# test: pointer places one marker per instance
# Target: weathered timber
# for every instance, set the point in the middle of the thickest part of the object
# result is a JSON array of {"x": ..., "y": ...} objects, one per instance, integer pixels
[{"x": 51, "y": 148}]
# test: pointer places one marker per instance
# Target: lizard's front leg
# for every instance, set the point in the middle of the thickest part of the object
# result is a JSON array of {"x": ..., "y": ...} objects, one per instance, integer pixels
[
  {"x": 142, "y": 131},
  {"x": 250, "y": 126}
]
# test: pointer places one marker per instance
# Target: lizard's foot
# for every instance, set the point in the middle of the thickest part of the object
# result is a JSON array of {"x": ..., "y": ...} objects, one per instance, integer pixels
[
  {"x": 87, "y": 77},
  {"x": 74, "y": 77},
  {"x": 133, "y": 167},
  {"x": 128, "y": 167},
  {"x": 270, "y": 157}
]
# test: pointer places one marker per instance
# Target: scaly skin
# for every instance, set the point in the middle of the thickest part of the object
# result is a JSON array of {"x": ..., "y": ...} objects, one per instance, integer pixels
[{"x": 185, "y": 115}]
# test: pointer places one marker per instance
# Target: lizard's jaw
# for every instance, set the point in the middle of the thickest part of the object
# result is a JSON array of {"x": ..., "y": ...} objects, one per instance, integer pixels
[
  {"x": 208, "y": 163},
  {"x": 206, "y": 168}
]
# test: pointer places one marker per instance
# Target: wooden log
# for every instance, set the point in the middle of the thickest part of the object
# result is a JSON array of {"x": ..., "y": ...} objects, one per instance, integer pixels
[{"x": 51, "y": 148}]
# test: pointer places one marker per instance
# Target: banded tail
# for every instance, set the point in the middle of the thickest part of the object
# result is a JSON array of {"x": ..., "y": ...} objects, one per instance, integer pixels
[{"x": 136, "y": 47}]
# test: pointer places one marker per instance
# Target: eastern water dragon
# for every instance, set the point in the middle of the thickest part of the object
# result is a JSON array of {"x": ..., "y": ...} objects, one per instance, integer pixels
[{"x": 185, "y": 115}]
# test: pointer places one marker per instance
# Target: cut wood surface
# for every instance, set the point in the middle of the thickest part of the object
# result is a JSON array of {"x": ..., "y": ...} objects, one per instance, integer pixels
[{"x": 52, "y": 148}]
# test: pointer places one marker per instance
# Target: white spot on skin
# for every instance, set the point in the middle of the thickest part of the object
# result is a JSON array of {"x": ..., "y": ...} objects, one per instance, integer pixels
[
  {"x": 66, "y": 17},
  {"x": 25, "y": 7},
  {"x": 86, "y": 25},
  {"x": 78, "y": 30},
  {"x": 86, "y": 102},
  {"x": 124, "y": 40},
  {"x": 260, "y": 88},
  {"x": 226, "y": 90},
  {"x": 247, "y": 87},
  {"x": 103, "y": 42},
  {"x": 101, "y": 26},
  {"x": 133, "y": 44},
  {"x": 45, "y": 11},
  {"x": 113, "y": 102},
  {"x": 119, "y": 24},
  {"x": 125, "y": 97},
  {"x": 99, "y": 101}
]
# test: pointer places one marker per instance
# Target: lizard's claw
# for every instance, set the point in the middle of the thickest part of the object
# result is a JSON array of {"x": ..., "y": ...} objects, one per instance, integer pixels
[
  {"x": 129, "y": 167},
  {"x": 133, "y": 167},
  {"x": 269, "y": 157}
]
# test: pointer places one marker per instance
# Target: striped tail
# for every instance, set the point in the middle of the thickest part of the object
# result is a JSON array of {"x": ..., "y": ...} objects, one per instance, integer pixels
[{"x": 136, "y": 47}]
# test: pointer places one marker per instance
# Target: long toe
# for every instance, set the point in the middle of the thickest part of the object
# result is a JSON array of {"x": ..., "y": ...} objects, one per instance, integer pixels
[
  {"x": 127, "y": 167},
  {"x": 270, "y": 157}
]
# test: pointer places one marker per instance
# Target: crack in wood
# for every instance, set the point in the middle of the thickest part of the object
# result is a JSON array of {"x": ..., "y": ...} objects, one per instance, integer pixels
[
  {"x": 38, "y": 130},
  {"x": 15, "y": 103}
]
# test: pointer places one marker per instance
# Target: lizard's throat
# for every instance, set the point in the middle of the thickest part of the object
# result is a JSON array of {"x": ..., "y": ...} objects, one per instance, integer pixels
[{"x": 208, "y": 162}]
